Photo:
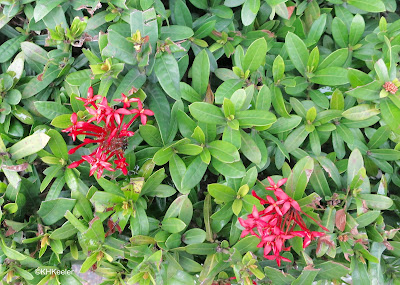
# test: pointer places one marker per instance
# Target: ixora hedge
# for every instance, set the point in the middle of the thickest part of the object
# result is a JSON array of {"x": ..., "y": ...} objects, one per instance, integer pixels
[{"x": 200, "y": 142}]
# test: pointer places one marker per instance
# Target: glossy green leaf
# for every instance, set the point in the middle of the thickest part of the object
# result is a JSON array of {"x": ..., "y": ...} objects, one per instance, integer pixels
[
  {"x": 255, "y": 55},
  {"x": 224, "y": 151},
  {"x": 54, "y": 210},
  {"x": 297, "y": 51},
  {"x": 368, "y": 5},
  {"x": 330, "y": 76},
  {"x": 201, "y": 72},
  {"x": 167, "y": 72},
  {"x": 173, "y": 225},
  {"x": 29, "y": 145},
  {"x": 221, "y": 192}
]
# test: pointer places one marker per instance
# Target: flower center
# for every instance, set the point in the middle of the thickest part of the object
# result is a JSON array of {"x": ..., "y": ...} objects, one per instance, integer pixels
[{"x": 114, "y": 145}]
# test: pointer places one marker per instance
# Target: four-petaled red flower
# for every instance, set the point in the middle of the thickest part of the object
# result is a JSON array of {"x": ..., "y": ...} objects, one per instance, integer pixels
[
  {"x": 276, "y": 224},
  {"x": 107, "y": 129}
]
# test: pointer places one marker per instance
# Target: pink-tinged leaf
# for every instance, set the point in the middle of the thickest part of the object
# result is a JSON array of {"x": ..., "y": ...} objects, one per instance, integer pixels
[{"x": 340, "y": 219}]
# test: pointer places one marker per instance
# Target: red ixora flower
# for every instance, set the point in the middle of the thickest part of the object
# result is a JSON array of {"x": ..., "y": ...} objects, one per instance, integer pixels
[
  {"x": 105, "y": 128},
  {"x": 276, "y": 224}
]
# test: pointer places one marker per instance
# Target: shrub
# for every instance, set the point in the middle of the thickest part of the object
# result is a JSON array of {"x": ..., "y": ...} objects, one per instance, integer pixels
[{"x": 200, "y": 142}]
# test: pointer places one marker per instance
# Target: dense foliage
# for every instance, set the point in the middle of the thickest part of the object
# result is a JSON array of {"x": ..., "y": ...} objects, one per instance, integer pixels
[{"x": 200, "y": 141}]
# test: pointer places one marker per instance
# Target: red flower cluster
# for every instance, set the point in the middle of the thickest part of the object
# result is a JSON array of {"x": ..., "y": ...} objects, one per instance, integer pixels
[
  {"x": 390, "y": 87},
  {"x": 275, "y": 224},
  {"x": 109, "y": 132}
]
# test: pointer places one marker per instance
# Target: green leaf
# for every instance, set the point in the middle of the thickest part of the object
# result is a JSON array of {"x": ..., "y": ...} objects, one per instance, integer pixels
[
  {"x": 331, "y": 169},
  {"x": 151, "y": 135},
  {"x": 167, "y": 72},
  {"x": 65, "y": 231},
  {"x": 194, "y": 173},
  {"x": 188, "y": 93},
  {"x": 297, "y": 51},
  {"x": 374, "y": 6},
  {"x": 173, "y": 225},
  {"x": 29, "y": 145},
  {"x": 207, "y": 113},
  {"x": 152, "y": 182},
  {"x": 285, "y": 124},
  {"x": 376, "y": 202},
  {"x": 182, "y": 14},
  {"x": 88, "y": 263},
  {"x": 21, "y": 114},
  {"x": 249, "y": 148},
  {"x": 201, "y": 72},
  {"x": 43, "y": 7},
  {"x": 330, "y": 76},
  {"x": 62, "y": 121},
  {"x": 201, "y": 248},
  {"x": 193, "y": 236},
  {"x": 319, "y": 182},
  {"x": 278, "y": 69},
  {"x": 278, "y": 277},
  {"x": 390, "y": 114},
  {"x": 246, "y": 244},
  {"x": 11, "y": 253},
  {"x": 237, "y": 206},
  {"x": 226, "y": 90},
  {"x": 360, "y": 112},
  {"x": 162, "y": 156},
  {"x": 249, "y": 11},
  {"x": 233, "y": 170},
  {"x": 306, "y": 277},
  {"x": 335, "y": 59},
  {"x": 221, "y": 193},
  {"x": 313, "y": 60},
  {"x": 204, "y": 30},
  {"x": 356, "y": 29},
  {"x": 316, "y": 30},
  {"x": 299, "y": 177},
  {"x": 296, "y": 138},
  {"x": 249, "y": 118},
  {"x": 255, "y": 55},
  {"x": 340, "y": 33},
  {"x": 177, "y": 169},
  {"x": 358, "y": 78},
  {"x": 79, "y": 77},
  {"x": 367, "y": 218},
  {"x": 57, "y": 144},
  {"x": 54, "y": 210},
  {"x": 55, "y": 169},
  {"x": 331, "y": 270},
  {"x": 35, "y": 86},
  {"x": 381, "y": 71},
  {"x": 385, "y": 154},
  {"x": 75, "y": 222},
  {"x": 50, "y": 110},
  {"x": 10, "y": 47},
  {"x": 229, "y": 108},
  {"x": 134, "y": 78},
  {"x": 224, "y": 151},
  {"x": 379, "y": 137},
  {"x": 34, "y": 52},
  {"x": 175, "y": 32},
  {"x": 355, "y": 163},
  {"x": 162, "y": 112},
  {"x": 368, "y": 92},
  {"x": 278, "y": 102},
  {"x": 189, "y": 149},
  {"x": 119, "y": 47}
]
